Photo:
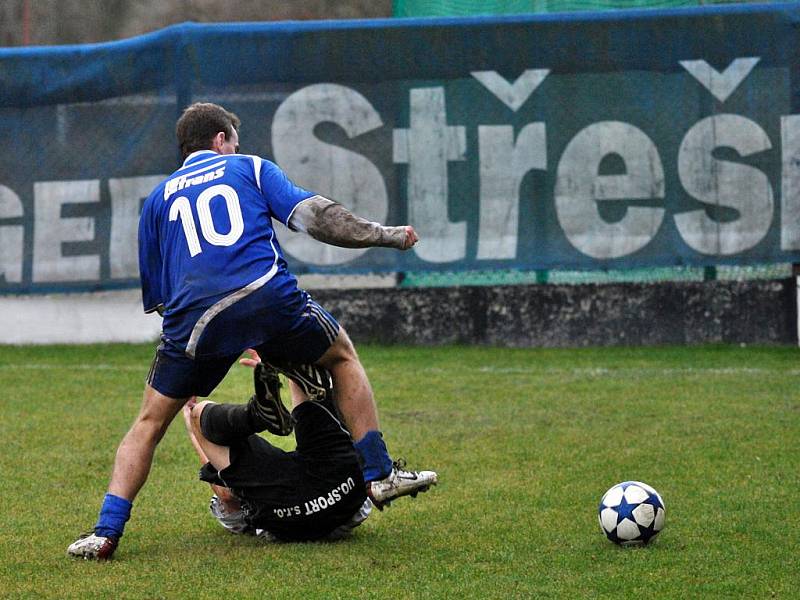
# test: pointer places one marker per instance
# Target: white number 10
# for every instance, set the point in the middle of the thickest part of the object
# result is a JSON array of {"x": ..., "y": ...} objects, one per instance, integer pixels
[{"x": 181, "y": 208}]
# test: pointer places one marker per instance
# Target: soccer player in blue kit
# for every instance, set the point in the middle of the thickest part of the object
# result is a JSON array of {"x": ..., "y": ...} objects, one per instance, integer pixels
[{"x": 210, "y": 263}]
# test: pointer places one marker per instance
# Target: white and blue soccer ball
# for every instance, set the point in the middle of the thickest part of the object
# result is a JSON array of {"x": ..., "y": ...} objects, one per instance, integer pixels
[{"x": 631, "y": 513}]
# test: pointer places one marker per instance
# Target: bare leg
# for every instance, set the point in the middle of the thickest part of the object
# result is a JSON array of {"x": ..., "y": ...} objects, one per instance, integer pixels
[
  {"x": 135, "y": 453},
  {"x": 351, "y": 389},
  {"x": 219, "y": 456},
  {"x": 131, "y": 468},
  {"x": 298, "y": 395}
]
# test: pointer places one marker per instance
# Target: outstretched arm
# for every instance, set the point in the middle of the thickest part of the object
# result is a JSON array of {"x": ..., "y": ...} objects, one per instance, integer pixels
[{"x": 330, "y": 222}]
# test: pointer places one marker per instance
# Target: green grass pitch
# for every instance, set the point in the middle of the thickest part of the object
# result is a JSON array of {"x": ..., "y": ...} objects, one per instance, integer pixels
[{"x": 525, "y": 442}]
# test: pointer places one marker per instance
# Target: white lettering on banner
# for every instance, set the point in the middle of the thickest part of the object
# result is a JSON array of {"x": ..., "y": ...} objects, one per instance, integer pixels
[
  {"x": 715, "y": 170},
  {"x": 513, "y": 95},
  {"x": 580, "y": 187},
  {"x": 790, "y": 183},
  {"x": 332, "y": 171},
  {"x": 721, "y": 85},
  {"x": 127, "y": 194},
  {"x": 724, "y": 183},
  {"x": 427, "y": 146},
  {"x": 11, "y": 237},
  {"x": 503, "y": 164},
  {"x": 51, "y": 231}
]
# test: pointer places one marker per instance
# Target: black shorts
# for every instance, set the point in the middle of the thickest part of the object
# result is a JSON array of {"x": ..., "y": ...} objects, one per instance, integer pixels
[{"x": 299, "y": 495}]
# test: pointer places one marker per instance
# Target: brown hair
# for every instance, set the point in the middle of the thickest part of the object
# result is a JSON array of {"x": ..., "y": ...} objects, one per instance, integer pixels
[{"x": 200, "y": 122}]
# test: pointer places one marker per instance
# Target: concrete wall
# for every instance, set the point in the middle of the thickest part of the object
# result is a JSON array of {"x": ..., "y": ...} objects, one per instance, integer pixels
[
  {"x": 76, "y": 318},
  {"x": 674, "y": 313},
  {"x": 755, "y": 312},
  {"x": 84, "y": 21},
  {"x": 752, "y": 312}
]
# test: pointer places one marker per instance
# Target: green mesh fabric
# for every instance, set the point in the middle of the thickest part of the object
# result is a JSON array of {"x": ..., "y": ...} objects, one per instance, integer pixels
[
  {"x": 422, "y": 8},
  {"x": 430, "y": 8},
  {"x": 645, "y": 275}
]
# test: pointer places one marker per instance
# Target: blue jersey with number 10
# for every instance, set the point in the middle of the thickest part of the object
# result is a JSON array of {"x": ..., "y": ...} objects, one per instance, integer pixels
[{"x": 206, "y": 231}]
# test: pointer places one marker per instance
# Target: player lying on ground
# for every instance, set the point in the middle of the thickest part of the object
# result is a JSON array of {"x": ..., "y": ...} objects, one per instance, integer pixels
[
  {"x": 315, "y": 492},
  {"x": 211, "y": 264}
]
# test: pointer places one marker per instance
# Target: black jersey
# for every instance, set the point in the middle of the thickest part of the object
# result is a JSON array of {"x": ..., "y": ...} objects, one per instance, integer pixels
[{"x": 300, "y": 495}]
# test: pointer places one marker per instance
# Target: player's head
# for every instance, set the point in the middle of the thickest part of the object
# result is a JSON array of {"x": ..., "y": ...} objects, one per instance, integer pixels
[{"x": 206, "y": 126}]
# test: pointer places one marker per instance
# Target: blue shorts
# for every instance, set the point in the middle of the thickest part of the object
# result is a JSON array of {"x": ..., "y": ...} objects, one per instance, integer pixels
[{"x": 302, "y": 336}]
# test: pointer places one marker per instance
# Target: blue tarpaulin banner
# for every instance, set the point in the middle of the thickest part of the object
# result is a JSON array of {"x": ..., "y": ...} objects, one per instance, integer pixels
[{"x": 584, "y": 141}]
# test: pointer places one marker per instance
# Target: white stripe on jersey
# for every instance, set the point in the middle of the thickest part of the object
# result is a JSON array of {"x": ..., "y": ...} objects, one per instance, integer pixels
[
  {"x": 227, "y": 301},
  {"x": 198, "y": 153},
  {"x": 203, "y": 170},
  {"x": 257, "y": 170},
  {"x": 178, "y": 182}
]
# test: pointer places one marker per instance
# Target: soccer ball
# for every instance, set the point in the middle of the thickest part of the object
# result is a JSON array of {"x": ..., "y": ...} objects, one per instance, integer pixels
[{"x": 631, "y": 513}]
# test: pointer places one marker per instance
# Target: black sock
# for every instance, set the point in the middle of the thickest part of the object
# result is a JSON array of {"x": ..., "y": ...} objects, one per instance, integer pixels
[{"x": 223, "y": 424}]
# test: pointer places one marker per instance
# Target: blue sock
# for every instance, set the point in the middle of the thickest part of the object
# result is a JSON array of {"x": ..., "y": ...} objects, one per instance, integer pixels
[
  {"x": 113, "y": 515},
  {"x": 375, "y": 461}
]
